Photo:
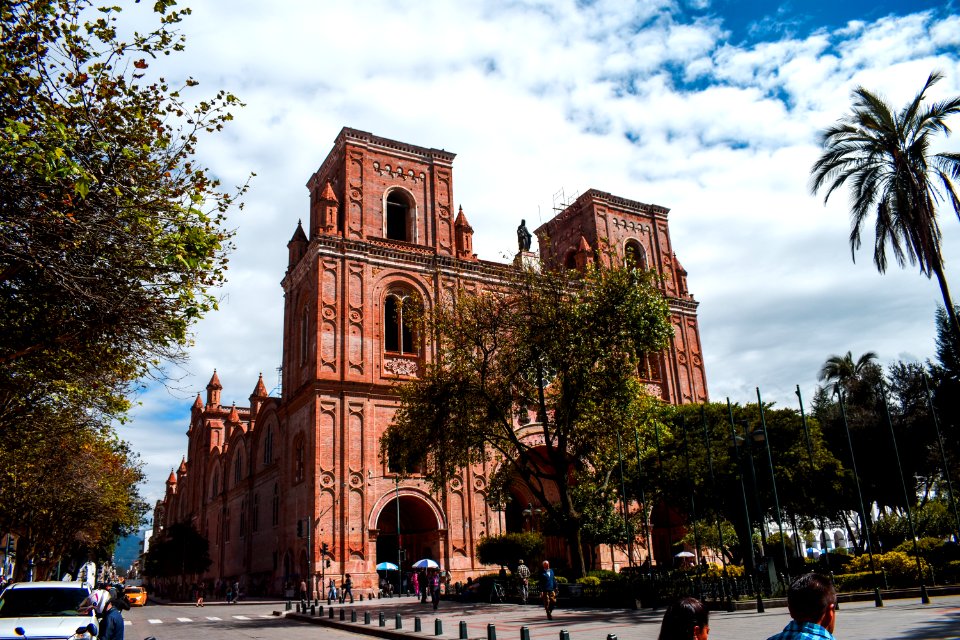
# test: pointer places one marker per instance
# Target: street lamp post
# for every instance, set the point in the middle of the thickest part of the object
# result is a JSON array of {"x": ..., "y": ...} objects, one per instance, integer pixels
[
  {"x": 399, "y": 548},
  {"x": 943, "y": 459},
  {"x": 746, "y": 511},
  {"x": 806, "y": 435},
  {"x": 773, "y": 482},
  {"x": 877, "y": 599},
  {"x": 623, "y": 504},
  {"x": 924, "y": 598}
]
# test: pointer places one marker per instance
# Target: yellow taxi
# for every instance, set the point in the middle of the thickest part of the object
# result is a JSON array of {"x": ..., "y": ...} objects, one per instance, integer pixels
[{"x": 136, "y": 595}]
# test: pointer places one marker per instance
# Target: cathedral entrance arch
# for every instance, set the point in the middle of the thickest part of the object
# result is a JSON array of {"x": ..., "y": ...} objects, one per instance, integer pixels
[{"x": 420, "y": 521}]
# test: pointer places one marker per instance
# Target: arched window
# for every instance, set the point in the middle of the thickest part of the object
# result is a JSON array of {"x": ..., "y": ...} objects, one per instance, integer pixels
[
  {"x": 237, "y": 468},
  {"x": 298, "y": 461},
  {"x": 275, "y": 515},
  {"x": 243, "y": 518},
  {"x": 255, "y": 514},
  {"x": 215, "y": 485},
  {"x": 226, "y": 527},
  {"x": 634, "y": 256},
  {"x": 399, "y": 216},
  {"x": 268, "y": 446},
  {"x": 304, "y": 335},
  {"x": 398, "y": 334}
]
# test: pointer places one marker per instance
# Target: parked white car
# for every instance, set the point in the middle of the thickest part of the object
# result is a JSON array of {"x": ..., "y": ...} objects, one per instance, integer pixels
[{"x": 45, "y": 611}]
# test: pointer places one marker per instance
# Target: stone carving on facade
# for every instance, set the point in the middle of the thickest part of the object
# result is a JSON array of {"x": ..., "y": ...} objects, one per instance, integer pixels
[
  {"x": 398, "y": 172},
  {"x": 401, "y": 367}
]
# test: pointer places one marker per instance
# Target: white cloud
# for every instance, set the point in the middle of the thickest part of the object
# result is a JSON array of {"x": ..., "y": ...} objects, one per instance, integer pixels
[{"x": 536, "y": 98}]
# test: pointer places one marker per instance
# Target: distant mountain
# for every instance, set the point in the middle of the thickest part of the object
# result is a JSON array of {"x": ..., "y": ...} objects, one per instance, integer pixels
[{"x": 127, "y": 550}]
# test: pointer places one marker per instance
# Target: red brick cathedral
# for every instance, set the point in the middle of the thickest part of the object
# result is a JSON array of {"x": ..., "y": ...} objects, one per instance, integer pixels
[{"x": 383, "y": 226}]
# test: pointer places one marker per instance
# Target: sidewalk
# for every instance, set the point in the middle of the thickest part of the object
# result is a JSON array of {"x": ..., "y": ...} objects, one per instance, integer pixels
[{"x": 860, "y": 620}]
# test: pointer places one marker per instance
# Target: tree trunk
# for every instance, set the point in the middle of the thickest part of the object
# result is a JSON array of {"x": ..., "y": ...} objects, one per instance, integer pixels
[
  {"x": 948, "y": 302},
  {"x": 577, "y": 561}
]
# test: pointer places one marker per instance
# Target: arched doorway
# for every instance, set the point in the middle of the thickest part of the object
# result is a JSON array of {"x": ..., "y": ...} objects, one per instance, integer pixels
[{"x": 419, "y": 534}]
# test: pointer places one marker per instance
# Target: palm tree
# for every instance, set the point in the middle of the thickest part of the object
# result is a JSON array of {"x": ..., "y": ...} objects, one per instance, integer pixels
[
  {"x": 885, "y": 156},
  {"x": 841, "y": 370}
]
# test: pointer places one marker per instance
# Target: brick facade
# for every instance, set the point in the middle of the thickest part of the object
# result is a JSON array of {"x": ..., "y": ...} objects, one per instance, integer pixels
[{"x": 382, "y": 227}]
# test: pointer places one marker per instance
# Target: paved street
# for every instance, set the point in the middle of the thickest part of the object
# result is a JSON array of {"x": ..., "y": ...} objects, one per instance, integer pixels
[{"x": 899, "y": 619}]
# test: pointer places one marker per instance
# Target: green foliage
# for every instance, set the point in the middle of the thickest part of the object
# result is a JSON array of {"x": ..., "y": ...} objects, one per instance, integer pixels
[
  {"x": 507, "y": 549},
  {"x": 574, "y": 340},
  {"x": 885, "y": 156},
  {"x": 900, "y": 567},
  {"x": 112, "y": 236},
  {"x": 589, "y": 581}
]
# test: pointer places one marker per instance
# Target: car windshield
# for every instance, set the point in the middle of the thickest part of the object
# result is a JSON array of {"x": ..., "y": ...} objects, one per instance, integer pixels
[{"x": 23, "y": 603}]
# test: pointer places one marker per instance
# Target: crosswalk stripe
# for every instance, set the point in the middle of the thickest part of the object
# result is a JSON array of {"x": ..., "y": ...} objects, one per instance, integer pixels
[
  {"x": 184, "y": 620},
  {"x": 214, "y": 618},
  {"x": 241, "y": 617},
  {"x": 155, "y": 621},
  {"x": 265, "y": 615}
]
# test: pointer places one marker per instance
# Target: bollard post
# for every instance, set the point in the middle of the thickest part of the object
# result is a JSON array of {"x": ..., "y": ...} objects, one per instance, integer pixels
[
  {"x": 353, "y": 615},
  {"x": 320, "y": 610},
  {"x": 398, "y": 622},
  {"x": 611, "y": 636},
  {"x": 564, "y": 634},
  {"x": 437, "y": 627},
  {"x": 330, "y": 613},
  {"x": 343, "y": 613},
  {"x": 463, "y": 630},
  {"x": 328, "y": 602},
  {"x": 298, "y": 607},
  {"x": 416, "y": 624},
  {"x": 524, "y": 633},
  {"x": 383, "y": 620},
  {"x": 366, "y": 617},
  {"x": 289, "y": 605},
  {"x": 491, "y": 631},
  {"x": 361, "y": 597},
  {"x": 313, "y": 610}
]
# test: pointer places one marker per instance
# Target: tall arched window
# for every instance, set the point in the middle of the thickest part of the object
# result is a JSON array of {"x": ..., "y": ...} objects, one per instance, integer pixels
[
  {"x": 275, "y": 509},
  {"x": 398, "y": 334},
  {"x": 237, "y": 468},
  {"x": 268, "y": 446},
  {"x": 634, "y": 256},
  {"x": 243, "y": 518},
  {"x": 215, "y": 488},
  {"x": 255, "y": 514},
  {"x": 298, "y": 461},
  {"x": 304, "y": 335},
  {"x": 399, "y": 216}
]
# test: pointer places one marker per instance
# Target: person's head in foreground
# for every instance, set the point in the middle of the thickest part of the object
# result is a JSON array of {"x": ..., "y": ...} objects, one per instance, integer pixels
[
  {"x": 686, "y": 619},
  {"x": 812, "y": 598}
]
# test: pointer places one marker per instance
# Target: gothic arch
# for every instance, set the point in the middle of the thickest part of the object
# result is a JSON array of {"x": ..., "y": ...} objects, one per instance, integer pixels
[
  {"x": 406, "y": 492},
  {"x": 634, "y": 255}
]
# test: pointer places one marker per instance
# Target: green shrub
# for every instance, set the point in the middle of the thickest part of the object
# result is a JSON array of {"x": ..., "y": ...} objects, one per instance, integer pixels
[
  {"x": 589, "y": 581},
  {"x": 927, "y": 546},
  {"x": 716, "y": 570},
  {"x": 901, "y": 569},
  {"x": 862, "y": 581},
  {"x": 605, "y": 574}
]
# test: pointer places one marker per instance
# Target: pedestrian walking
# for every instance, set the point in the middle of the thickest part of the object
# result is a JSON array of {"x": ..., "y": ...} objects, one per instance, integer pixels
[
  {"x": 415, "y": 581},
  {"x": 346, "y": 588},
  {"x": 548, "y": 589},
  {"x": 435, "y": 588},
  {"x": 200, "y": 588},
  {"x": 523, "y": 580},
  {"x": 332, "y": 590},
  {"x": 812, "y": 601},
  {"x": 686, "y": 619}
]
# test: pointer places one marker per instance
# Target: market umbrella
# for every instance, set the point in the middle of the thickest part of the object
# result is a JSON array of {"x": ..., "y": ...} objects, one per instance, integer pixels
[
  {"x": 426, "y": 563},
  {"x": 684, "y": 554},
  {"x": 387, "y": 566}
]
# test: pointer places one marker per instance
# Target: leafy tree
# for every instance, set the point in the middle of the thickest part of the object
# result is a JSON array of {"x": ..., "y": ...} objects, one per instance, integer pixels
[
  {"x": 66, "y": 488},
  {"x": 805, "y": 493},
  {"x": 842, "y": 370},
  {"x": 508, "y": 549},
  {"x": 885, "y": 156},
  {"x": 111, "y": 234},
  {"x": 111, "y": 239},
  {"x": 537, "y": 376}
]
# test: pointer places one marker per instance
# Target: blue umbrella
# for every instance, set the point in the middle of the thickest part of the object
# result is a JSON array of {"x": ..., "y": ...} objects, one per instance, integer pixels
[
  {"x": 426, "y": 563},
  {"x": 387, "y": 566}
]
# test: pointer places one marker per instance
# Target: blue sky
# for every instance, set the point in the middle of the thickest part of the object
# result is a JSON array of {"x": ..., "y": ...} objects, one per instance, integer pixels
[{"x": 709, "y": 108}]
